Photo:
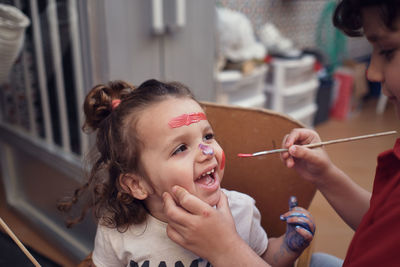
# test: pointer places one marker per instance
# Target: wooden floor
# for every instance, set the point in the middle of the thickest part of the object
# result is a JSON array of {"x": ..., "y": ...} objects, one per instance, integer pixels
[{"x": 358, "y": 159}]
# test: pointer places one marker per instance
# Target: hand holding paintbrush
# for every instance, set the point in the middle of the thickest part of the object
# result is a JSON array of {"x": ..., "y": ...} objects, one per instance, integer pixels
[{"x": 319, "y": 144}]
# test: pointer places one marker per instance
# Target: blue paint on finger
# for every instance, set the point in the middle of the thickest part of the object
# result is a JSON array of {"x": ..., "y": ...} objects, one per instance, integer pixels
[
  {"x": 292, "y": 202},
  {"x": 297, "y": 214},
  {"x": 305, "y": 229},
  {"x": 305, "y": 226}
]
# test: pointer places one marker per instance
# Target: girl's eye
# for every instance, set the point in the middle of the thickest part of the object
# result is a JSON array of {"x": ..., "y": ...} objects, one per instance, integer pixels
[
  {"x": 180, "y": 149},
  {"x": 209, "y": 136},
  {"x": 388, "y": 54}
]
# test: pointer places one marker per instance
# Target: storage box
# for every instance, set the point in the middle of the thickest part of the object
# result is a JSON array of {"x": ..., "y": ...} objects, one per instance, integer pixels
[
  {"x": 292, "y": 98},
  {"x": 288, "y": 72},
  {"x": 342, "y": 93},
  {"x": 257, "y": 101},
  {"x": 305, "y": 115},
  {"x": 234, "y": 88}
]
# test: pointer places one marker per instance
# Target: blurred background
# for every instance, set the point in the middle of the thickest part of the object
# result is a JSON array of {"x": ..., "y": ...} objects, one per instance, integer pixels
[{"x": 283, "y": 55}]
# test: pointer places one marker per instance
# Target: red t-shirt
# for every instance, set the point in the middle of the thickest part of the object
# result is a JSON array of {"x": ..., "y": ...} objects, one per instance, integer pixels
[{"x": 377, "y": 238}]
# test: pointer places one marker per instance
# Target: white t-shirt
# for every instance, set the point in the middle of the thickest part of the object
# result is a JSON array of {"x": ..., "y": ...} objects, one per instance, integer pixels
[{"x": 148, "y": 245}]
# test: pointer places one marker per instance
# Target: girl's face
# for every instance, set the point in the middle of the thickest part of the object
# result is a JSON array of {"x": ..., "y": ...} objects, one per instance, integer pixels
[
  {"x": 385, "y": 60},
  {"x": 179, "y": 152}
]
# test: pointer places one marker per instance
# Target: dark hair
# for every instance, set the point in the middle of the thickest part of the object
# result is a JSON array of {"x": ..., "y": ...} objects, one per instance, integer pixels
[
  {"x": 348, "y": 18},
  {"x": 118, "y": 148}
]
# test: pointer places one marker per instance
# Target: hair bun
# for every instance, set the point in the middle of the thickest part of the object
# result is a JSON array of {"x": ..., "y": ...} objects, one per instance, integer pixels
[{"x": 98, "y": 102}]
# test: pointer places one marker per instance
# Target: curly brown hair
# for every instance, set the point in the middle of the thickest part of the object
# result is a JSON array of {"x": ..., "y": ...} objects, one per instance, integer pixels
[
  {"x": 348, "y": 17},
  {"x": 118, "y": 149}
]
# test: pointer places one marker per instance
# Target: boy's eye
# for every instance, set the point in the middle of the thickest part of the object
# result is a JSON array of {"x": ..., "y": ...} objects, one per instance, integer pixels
[
  {"x": 388, "y": 54},
  {"x": 209, "y": 136},
  {"x": 180, "y": 149}
]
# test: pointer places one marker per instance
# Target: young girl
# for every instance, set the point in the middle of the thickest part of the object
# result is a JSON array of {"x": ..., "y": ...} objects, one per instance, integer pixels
[
  {"x": 375, "y": 217},
  {"x": 151, "y": 138}
]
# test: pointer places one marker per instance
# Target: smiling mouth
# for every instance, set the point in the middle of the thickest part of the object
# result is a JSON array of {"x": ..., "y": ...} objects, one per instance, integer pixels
[{"x": 206, "y": 178}]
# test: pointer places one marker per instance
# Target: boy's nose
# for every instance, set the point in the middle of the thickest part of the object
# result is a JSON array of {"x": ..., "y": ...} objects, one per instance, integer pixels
[
  {"x": 206, "y": 150},
  {"x": 374, "y": 70}
]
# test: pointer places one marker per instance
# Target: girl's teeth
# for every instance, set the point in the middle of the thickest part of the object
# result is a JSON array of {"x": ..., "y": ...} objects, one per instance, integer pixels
[{"x": 208, "y": 173}]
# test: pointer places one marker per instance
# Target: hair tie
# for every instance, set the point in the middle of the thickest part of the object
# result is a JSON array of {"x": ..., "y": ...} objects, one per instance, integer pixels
[{"x": 115, "y": 103}]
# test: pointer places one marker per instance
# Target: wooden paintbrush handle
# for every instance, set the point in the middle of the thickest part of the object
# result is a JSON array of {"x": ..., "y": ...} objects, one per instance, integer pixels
[
  {"x": 19, "y": 244},
  {"x": 343, "y": 140}
]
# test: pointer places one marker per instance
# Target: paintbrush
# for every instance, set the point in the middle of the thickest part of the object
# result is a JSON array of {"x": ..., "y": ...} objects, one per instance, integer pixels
[
  {"x": 19, "y": 243},
  {"x": 313, "y": 145}
]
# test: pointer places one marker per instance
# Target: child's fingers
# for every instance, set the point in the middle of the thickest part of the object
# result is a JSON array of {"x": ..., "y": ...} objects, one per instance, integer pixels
[
  {"x": 223, "y": 204},
  {"x": 284, "y": 141},
  {"x": 301, "y": 136},
  {"x": 292, "y": 202},
  {"x": 285, "y": 156},
  {"x": 298, "y": 216},
  {"x": 298, "y": 210},
  {"x": 287, "y": 159},
  {"x": 167, "y": 199},
  {"x": 189, "y": 202},
  {"x": 302, "y": 210},
  {"x": 303, "y": 222},
  {"x": 172, "y": 210},
  {"x": 174, "y": 235},
  {"x": 301, "y": 152},
  {"x": 290, "y": 162},
  {"x": 296, "y": 213},
  {"x": 307, "y": 235},
  {"x": 300, "y": 226},
  {"x": 180, "y": 221},
  {"x": 296, "y": 136}
]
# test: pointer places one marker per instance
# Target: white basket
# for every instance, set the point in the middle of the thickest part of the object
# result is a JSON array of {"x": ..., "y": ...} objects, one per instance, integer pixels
[
  {"x": 292, "y": 98},
  {"x": 12, "y": 31},
  {"x": 289, "y": 72},
  {"x": 305, "y": 115},
  {"x": 233, "y": 87},
  {"x": 257, "y": 101}
]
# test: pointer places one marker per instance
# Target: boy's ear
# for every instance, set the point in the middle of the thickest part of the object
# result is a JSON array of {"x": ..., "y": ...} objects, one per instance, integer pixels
[{"x": 134, "y": 185}]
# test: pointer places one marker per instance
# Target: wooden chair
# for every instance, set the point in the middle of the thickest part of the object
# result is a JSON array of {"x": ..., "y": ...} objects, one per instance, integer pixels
[{"x": 265, "y": 178}]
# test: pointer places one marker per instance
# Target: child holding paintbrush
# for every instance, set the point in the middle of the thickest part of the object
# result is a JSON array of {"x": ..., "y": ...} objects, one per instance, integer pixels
[{"x": 376, "y": 216}]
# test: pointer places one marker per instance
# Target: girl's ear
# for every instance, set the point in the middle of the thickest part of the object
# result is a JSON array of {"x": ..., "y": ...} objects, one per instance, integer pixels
[{"x": 134, "y": 185}]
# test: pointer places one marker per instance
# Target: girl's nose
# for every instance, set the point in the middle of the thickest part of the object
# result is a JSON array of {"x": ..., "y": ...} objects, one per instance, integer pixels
[
  {"x": 374, "y": 70},
  {"x": 206, "y": 150}
]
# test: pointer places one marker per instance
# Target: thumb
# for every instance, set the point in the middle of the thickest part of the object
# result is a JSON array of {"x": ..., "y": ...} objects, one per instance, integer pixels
[
  {"x": 223, "y": 204},
  {"x": 301, "y": 152},
  {"x": 188, "y": 201},
  {"x": 180, "y": 194},
  {"x": 223, "y": 208}
]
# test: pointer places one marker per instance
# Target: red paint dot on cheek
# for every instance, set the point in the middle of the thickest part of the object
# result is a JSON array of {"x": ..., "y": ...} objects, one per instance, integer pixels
[{"x": 223, "y": 161}]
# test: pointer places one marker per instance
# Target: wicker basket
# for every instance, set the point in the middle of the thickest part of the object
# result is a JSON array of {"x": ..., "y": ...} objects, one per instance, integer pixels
[{"x": 12, "y": 32}]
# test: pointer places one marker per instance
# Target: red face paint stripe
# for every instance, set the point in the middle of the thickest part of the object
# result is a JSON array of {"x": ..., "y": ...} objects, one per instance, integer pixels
[{"x": 187, "y": 119}]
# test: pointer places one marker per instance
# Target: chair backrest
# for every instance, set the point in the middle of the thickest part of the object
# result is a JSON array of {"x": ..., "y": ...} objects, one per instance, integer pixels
[{"x": 265, "y": 178}]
